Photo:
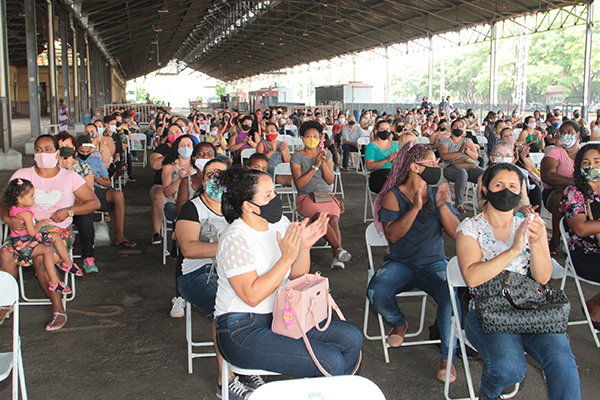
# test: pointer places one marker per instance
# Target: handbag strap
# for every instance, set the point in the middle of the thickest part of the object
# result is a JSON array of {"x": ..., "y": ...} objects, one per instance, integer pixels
[
  {"x": 506, "y": 293},
  {"x": 330, "y": 304},
  {"x": 307, "y": 342}
]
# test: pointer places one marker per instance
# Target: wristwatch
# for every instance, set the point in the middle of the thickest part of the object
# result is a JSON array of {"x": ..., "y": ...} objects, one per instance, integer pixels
[
  {"x": 315, "y": 167},
  {"x": 71, "y": 212}
]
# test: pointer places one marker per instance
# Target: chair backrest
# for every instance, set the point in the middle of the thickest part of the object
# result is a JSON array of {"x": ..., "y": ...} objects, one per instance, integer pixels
[
  {"x": 537, "y": 158},
  {"x": 453, "y": 274},
  {"x": 364, "y": 141},
  {"x": 246, "y": 153},
  {"x": 282, "y": 169},
  {"x": 475, "y": 202},
  {"x": 204, "y": 127},
  {"x": 481, "y": 140},
  {"x": 517, "y": 132},
  {"x": 9, "y": 290},
  {"x": 138, "y": 141},
  {"x": 564, "y": 236},
  {"x": 373, "y": 239},
  {"x": 423, "y": 140}
]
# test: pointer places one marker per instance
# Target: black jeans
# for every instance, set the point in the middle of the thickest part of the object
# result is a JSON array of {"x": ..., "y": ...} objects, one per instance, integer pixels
[{"x": 85, "y": 226}]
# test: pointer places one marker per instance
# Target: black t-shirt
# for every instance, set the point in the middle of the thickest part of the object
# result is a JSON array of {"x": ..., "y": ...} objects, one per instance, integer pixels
[{"x": 162, "y": 149}]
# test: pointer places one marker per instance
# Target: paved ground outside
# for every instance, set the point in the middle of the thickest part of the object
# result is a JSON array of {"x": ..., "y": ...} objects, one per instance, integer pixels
[{"x": 121, "y": 343}]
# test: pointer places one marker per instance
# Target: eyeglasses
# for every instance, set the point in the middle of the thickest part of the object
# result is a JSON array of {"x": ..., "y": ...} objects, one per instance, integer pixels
[{"x": 503, "y": 155}]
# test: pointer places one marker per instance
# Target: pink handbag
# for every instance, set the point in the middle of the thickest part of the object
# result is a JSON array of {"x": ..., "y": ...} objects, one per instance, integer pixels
[{"x": 302, "y": 304}]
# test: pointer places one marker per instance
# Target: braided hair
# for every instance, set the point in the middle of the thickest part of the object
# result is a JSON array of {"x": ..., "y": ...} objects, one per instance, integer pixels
[
  {"x": 580, "y": 181},
  {"x": 408, "y": 154},
  {"x": 16, "y": 188}
]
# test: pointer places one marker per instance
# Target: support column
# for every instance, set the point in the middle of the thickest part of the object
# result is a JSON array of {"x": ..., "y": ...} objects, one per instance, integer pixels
[
  {"x": 52, "y": 65},
  {"x": 88, "y": 75},
  {"x": 430, "y": 73},
  {"x": 387, "y": 75},
  {"x": 32, "y": 73},
  {"x": 442, "y": 56},
  {"x": 587, "y": 62},
  {"x": 494, "y": 69},
  {"x": 75, "y": 57},
  {"x": 85, "y": 105},
  {"x": 64, "y": 47}
]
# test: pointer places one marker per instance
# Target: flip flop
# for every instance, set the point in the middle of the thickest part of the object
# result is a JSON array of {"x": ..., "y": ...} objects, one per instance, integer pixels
[
  {"x": 54, "y": 325},
  {"x": 128, "y": 244},
  {"x": 5, "y": 312}
]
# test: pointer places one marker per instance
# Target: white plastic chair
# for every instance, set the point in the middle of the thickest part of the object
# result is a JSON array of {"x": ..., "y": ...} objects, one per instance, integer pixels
[
  {"x": 358, "y": 163},
  {"x": 345, "y": 387},
  {"x": 246, "y": 153},
  {"x": 289, "y": 192},
  {"x": 12, "y": 361},
  {"x": 238, "y": 371},
  {"x": 297, "y": 143},
  {"x": 375, "y": 239},
  {"x": 570, "y": 271},
  {"x": 423, "y": 140},
  {"x": 537, "y": 159},
  {"x": 190, "y": 342},
  {"x": 455, "y": 280},
  {"x": 292, "y": 128},
  {"x": 138, "y": 143}
]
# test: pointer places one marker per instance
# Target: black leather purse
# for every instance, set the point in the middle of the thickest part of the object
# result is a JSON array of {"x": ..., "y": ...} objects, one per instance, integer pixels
[{"x": 515, "y": 303}]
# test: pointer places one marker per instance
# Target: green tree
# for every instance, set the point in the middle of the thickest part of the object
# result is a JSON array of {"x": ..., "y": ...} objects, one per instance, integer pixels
[
  {"x": 221, "y": 89},
  {"x": 141, "y": 94}
]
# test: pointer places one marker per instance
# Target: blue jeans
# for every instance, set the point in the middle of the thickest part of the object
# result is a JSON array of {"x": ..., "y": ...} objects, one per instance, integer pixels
[
  {"x": 505, "y": 365},
  {"x": 169, "y": 210},
  {"x": 394, "y": 278},
  {"x": 247, "y": 341},
  {"x": 199, "y": 287},
  {"x": 85, "y": 227}
]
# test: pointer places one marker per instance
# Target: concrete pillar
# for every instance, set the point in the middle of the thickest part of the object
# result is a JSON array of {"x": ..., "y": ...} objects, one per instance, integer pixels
[
  {"x": 5, "y": 113},
  {"x": 587, "y": 61},
  {"x": 64, "y": 41},
  {"x": 430, "y": 72},
  {"x": 52, "y": 65},
  {"x": 387, "y": 75},
  {"x": 85, "y": 105},
  {"x": 88, "y": 75},
  {"x": 32, "y": 73},
  {"x": 75, "y": 57},
  {"x": 494, "y": 69}
]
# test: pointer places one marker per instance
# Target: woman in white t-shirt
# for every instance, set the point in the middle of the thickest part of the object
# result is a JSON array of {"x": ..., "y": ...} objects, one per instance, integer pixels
[{"x": 257, "y": 254}]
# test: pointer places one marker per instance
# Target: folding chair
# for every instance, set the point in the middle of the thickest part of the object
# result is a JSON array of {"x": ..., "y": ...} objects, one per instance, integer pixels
[
  {"x": 423, "y": 140},
  {"x": 291, "y": 128},
  {"x": 337, "y": 182},
  {"x": 375, "y": 239},
  {"x": 357, "y": 155},
  {"x": 537, "y": 159},
  {"x": 167, "y": 226},
  {"x": 138, "y": 143},
  {"x": 570, "y": 271},
  {"x": 190, "y": 342},
  {"x": 289, "y": 192},
  {"x": 368, "y": 199},
  {"x": 246, "y": 153},
  {"x": 455, "y": 280},
  {"x": 238, "y": 371},
  {"x": 12, "y": 361}
]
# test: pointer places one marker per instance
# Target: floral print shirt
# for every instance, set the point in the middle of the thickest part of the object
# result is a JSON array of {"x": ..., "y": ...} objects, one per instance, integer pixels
[{"x": 574, "y": 202}]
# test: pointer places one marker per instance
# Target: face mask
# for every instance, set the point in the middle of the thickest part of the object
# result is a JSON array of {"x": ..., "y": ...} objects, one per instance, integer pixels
[
  {"x": 503, "y": 200},
  {"x": 500, "y": 115},
  {"x": 272, "y": 136},
  {"x": 66, "y": 152},
  {"x": 258, "y": 115},
  {"x": 515, "y": 115},
  {"x": 46, "y": 160},
  {"x": 347, "y": 112},
  {"x": 568, "y": 140},
  {"x": 342, "y": 120},
  {"x": 507, "y": 160},
  {"x": 100, "y": 131},
  {"x": 226, "y": 118},
  {"x": 213, "y": 133},
  {"x": 246, "y": 128},
  {"x": 409, "y": 121},
  {"x": 457, "y": 132},
  {"x": 591, "y": 173},
  {"x": 83, "y": 156},
  {"x": 351, "y": 123},
  {"x": 112, "y": 128},
  {"x": 531, "y": 125},
  {"x": 442, "y": 128},
  {"x": 556, "y": 124},
  {"x": 272, "y": 211},
  {"x": 213, "y": 189},
  {"x": 200, "y": 163},
  {"x": 556, "y": 114},
  {"x": 92, "y": 135},
  {"x": 383, "y": 135},
  {"x": 576, "y": 115},
  {"x": 185, "y": 152},
  {"x": 311, "y": 143},
  {"x": 471, "y": 114},
  {"x": 509, "y": 139},
  {"x": 431, "y": 175}
]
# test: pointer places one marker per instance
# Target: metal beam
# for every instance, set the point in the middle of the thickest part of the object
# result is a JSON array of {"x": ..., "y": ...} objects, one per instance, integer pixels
[
  {"x": 588, "y": 59},
  {"x": 5, "y": 111},
  {"x": 64, "y": 47},
  {"x": 52, "y": 65},
  {"x": 76, "y": 82},
  {"x": 32, "y": 69},
  {"x": 494, "y": 68},
  {"x": 430, "y": 72}
]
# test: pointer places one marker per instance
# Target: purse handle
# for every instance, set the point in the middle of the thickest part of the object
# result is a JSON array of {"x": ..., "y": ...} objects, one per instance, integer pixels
[
  {"x": 331, "y": 303},
  {"x": 506, "y": 293}
]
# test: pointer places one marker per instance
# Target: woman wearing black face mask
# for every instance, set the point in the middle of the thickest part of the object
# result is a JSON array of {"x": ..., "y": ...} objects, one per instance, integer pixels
[
  {"x": 439, "y": 135},
  {"x": 414, "y": 214},
  {"x": 246, "y": 138},
  {"x": 257, "y": 253},
  {"x": 461, "y": 155},
  {"x": 488, "y": 244},
  {"x": 379, "y": 156}
]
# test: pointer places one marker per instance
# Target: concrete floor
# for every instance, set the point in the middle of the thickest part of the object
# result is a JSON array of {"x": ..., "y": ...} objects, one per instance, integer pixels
[{"x": 121, "y": 343}]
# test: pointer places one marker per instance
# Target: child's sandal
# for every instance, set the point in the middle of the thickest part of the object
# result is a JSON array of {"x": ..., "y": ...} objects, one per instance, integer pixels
[
  {"x": 72, "y": 269},
  {"x": 60, "y": 288}
]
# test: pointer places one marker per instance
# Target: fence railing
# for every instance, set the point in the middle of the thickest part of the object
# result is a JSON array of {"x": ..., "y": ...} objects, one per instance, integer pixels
[{"x": 144, "y": 110}]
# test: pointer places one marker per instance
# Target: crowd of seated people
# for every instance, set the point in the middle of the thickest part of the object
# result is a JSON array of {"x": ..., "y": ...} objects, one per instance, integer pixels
[{"x": 217, "y": 205}]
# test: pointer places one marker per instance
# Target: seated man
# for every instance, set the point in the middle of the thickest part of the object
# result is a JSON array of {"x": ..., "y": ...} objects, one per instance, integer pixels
[
  {"x": 350, "y": 135},
  {"x": 110, "y": 200}
]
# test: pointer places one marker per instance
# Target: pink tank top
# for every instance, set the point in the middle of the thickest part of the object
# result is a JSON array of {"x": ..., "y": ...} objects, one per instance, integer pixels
[{"x": 13, "y": 213}]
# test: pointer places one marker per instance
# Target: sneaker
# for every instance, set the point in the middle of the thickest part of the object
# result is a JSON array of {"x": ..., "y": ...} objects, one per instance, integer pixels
[
  {"x": 89, "y": 265},
  {"x": 59, "y": 288},
  {"x": 252, "y": 381},
  {"x": 178, "y": 309},
  {"x": 130, "y": 179},
  {"x": 237, "y": 390},
  {"x": 156, "y": 238},
  {"x": 343, "y": 255},
  {"x": 337, "y": 264}
]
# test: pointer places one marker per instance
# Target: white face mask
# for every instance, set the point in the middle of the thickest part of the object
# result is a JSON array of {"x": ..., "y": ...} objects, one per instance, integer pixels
[
  {"x": 531, "y": 125},
  {"x": 213, "y": 132},
  {"x": 200, "y": 163},
  {"x": 342, "y": 120},
  {"x": 568, "y": 140},
  {"x": 112, "y": 128},
  {"x": 507, "y": 160}
]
